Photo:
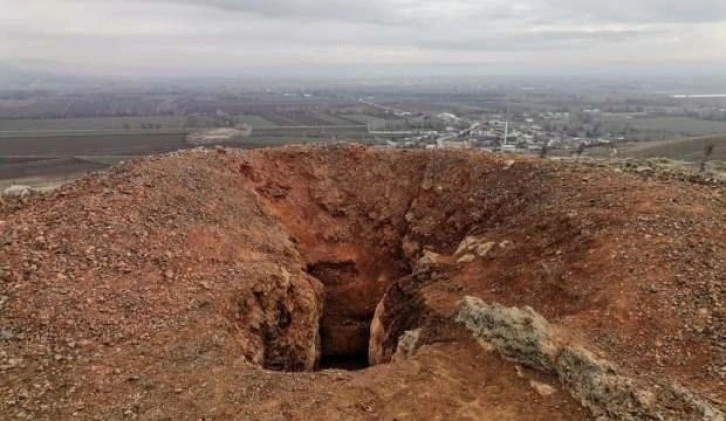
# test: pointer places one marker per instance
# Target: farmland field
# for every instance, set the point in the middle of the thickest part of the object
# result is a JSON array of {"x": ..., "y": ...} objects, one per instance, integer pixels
[
  {"x": 684, "y": 149},
  {"x": 310, "y": 130},
  {"x": 46, "y": 126},
  {"x": 296, "y": 117},
  {"x": 684, "y": 125},
  {"x": 58, "y": 154},
  {"x": 256, "y": 121},
  {"x": 46, "y": 149},
  {"x": 49, "y": 167},
  {"x": 331, "y": 119},
  {"x": 92, "y": 145},
  {"x": 90, "y": 123},
  {"x": 377, "y": 123}
]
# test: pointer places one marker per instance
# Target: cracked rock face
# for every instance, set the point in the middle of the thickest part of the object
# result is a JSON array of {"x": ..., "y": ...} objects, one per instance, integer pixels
[
  {"x": 279, "y": 318},
  {"x": 520, "y": 334}
]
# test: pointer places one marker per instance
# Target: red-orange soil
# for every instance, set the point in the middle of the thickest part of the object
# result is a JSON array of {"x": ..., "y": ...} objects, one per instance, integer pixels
[{"x": 239, "y": 285}]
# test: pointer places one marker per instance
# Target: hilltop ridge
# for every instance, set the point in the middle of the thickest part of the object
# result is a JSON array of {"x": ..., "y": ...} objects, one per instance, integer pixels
[{"x": 325, "y": 282}]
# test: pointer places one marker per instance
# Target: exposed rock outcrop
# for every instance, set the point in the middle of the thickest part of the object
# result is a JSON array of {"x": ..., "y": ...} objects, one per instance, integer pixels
[
  {"x": 17, "y": 191},
  {"x": 401, "y": 309},
  {"x": 524, "y": 336},
  {"x": 279, "y": 319}
]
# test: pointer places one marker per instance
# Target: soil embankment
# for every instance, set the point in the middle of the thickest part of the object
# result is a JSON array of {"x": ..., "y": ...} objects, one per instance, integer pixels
[{"x": 225, "y": 284}]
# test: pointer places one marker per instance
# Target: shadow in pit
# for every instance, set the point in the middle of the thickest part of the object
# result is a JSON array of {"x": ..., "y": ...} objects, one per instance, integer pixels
[
  {"x": 347, "y": 315},
  {"x": 344, "y": 362}
]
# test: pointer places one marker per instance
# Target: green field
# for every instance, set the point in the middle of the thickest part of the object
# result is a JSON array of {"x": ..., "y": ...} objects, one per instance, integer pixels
[
  {"x": 684, "y": 125},
  {"x": 256, "y": 121},
  {"x": 91, "y": 123},
  {"x": 114, "y": 123},
  {"x": 683, "y": 149},
  {"x": 21, "y": 135},
  {"x": 689, "y": 149},
  {"x": 331, "y": 119},
  {"x": 364, "y": 119},
  {"x": 376, "y": 123}
]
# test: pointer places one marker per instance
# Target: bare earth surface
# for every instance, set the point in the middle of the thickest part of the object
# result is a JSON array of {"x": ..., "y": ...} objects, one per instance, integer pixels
[{"x": 222, "y": 284}]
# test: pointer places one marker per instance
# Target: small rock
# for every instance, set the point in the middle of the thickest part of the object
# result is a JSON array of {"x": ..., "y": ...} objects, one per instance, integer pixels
[
  {"x": 643, "y": 169},
  {"x": 542, "y": 388},
  {"x": 467, "y": 244},
  {"x": 519, "y": 371},
  {"x": 366, "y": 408},
  {"x": 429, "y": 258},
  {"x": 407, "y": 345},
  {"x": 14, "y": 362},
  {"x": 467, "y": 258},
  {"x": 6, "y": 334},
  {"x": 483, "y": 249},
  {"x": 17, "y": 191}
]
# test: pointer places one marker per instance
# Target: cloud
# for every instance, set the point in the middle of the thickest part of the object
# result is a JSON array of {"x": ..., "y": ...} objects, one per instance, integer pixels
[
  {"x": 233, "y": 34},
  {"x": 412, "y": 11},
  {"x": 367, "y": 11},
  {"x": 645, "y": 11}
]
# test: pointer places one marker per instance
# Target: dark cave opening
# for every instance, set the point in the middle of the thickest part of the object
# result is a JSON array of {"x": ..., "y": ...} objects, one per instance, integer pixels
[
  {"x": 348, "y": 309},
  {"x": 352, "y": 362}
]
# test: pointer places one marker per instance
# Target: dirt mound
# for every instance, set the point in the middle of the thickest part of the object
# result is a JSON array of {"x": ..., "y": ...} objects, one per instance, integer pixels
[{"x": 222, "y": 284}]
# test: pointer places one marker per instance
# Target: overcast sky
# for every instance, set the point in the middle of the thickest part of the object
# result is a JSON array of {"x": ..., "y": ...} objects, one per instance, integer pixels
[{"x": 230, "y": 35}]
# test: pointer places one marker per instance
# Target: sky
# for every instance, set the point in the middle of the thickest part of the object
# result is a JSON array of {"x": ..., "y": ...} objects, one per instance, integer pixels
[{"x": 231, "y": 36}]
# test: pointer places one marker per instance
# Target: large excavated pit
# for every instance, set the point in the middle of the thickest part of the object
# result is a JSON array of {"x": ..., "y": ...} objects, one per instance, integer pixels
[
  {"x": 351, "y": 223},
  {"x": 220, "y": 272}
]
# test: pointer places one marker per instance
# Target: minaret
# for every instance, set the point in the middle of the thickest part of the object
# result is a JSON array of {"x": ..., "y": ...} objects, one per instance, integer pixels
[
  {"x": 506, "y": 125},
  {"x": 506, "y": 130}
]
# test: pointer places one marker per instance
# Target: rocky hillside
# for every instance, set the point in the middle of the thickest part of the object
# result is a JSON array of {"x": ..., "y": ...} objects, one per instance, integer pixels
[{"x": 328, "y": 283}]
